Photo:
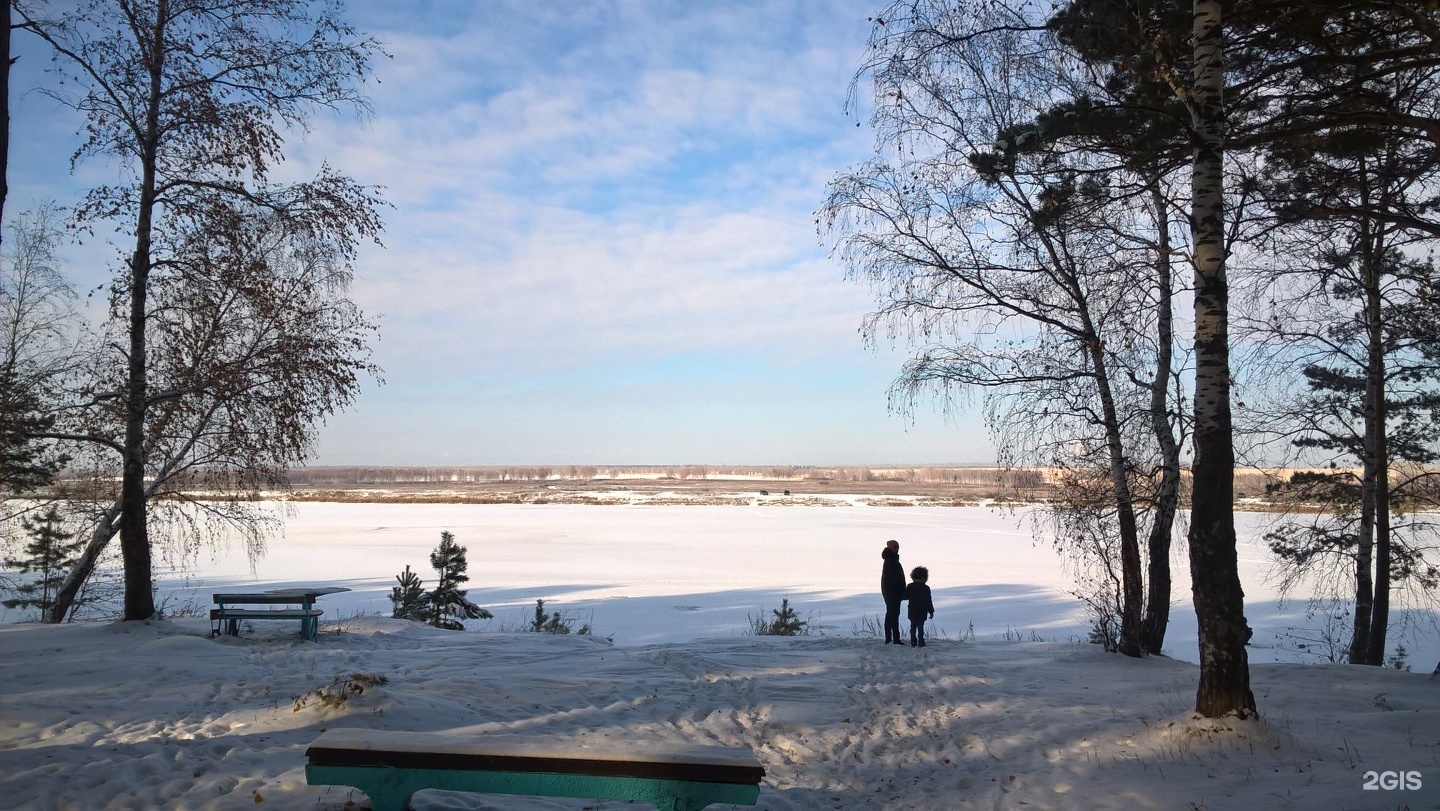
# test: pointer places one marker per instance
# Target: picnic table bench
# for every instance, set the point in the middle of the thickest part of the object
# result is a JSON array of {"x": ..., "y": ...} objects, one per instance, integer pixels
[
  {"x": 226, "y": 617},
  {"x": 391, "y": 766}
]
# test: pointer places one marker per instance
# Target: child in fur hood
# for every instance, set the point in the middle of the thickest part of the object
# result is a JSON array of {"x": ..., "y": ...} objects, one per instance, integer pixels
[{"x": 918, "y": 593}]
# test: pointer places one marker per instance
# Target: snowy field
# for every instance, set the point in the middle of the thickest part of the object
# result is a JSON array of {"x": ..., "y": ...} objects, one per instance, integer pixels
[
  {"x": 155, "y": 715},
  {"x": 644, "y": 574}
]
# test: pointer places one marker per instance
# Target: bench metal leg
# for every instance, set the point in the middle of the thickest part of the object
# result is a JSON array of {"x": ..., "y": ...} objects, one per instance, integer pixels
[
  {"x": 309, "y": 626},
  {"x": 388, "y": 789}
]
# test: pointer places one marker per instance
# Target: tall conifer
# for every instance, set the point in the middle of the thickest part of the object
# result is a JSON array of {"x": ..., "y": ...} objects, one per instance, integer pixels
[{"x": 49, "y": 555}]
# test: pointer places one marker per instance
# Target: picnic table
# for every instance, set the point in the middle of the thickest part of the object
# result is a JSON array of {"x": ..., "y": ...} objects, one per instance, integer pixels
[{"x": 226, "y": 616}]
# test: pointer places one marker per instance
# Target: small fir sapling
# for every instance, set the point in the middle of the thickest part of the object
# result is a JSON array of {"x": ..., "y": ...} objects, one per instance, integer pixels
[
  {"x": 410, "y": 600},
  {"x": 50, "y": 555},
  {"x": 448, "y": 605},
  {"x": 445, "y": 606},
  {"x": 545, "y": 623},
  {"x": 1400, "y": 659},
  {"x": 786, "y": 622}
]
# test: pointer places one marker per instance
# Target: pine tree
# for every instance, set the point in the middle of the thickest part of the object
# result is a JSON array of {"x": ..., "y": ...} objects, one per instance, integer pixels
[
  {"x": 545, "y": 623},
  {"x": 786, "y": 622},
  {"x": 50, "y": 554},
  {"x": 445, "y": 606},
  {"x": 23, "y": 465},
  {"x": 410, "y": 600},
  {"x": 1372, "y": 402},
  {"x": 557, "y": 623},
  {"x": 448, "y": 605}
]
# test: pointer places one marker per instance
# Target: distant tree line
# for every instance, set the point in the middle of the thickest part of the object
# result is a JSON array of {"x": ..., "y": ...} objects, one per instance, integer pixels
[{"x": 432, "y": 474}]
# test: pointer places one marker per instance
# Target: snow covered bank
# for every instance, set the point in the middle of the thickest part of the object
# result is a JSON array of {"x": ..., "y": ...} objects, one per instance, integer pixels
[{"x": 148, "y": 716}]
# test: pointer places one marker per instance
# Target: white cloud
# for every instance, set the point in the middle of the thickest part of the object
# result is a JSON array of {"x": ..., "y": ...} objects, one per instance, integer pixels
[
  {"x": 575, "y": 288},
  {"x": 589, "y": 195},
  {"x": 500, "y": 150}
]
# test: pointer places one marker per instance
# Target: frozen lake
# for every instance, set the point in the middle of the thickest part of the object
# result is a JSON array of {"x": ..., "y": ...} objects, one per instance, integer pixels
[{"x": 646, "y": 574}]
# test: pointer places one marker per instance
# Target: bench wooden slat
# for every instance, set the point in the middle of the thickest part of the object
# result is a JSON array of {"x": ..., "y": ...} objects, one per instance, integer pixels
[
  {"x": 510, "y": 752},
  {"x": 264, "y": 614},
  {"x": 448, "y": 761},
  {"x": 259, "y": 598}
]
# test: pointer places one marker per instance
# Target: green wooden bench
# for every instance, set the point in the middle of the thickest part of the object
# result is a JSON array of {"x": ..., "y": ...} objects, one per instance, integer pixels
[
  {"x": 391, "y": 766},
  {"x": 226, "y": 616}
]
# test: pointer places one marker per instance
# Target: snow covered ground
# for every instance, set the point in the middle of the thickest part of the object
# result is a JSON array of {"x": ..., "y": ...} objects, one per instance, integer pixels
[{"x": 139, "y": 716}]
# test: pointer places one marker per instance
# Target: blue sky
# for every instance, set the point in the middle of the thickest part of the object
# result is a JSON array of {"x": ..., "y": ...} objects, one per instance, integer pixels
[{"x": 602, "y": 248}]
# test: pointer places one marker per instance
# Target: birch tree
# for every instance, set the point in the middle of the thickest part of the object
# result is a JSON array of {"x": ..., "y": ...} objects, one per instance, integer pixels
[
  {"x": 254, "y": 341},
  {"x": 39, "y": 347},
  {"x": 1020, "y": 268},
  {"x": 1219, "y": 598},
  {"x": 191, "y": 100},
  {"x": 1251, "y": 77},
  {"x": 1170, "y": 58}
]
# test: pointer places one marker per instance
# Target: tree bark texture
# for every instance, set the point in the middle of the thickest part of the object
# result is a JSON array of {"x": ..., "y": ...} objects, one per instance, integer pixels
[
  {"x": 1364, "y": 558},
  {"x": 1219, "y": 599},
  {"x": 4, "y": 115},
  {"x": 105, "y": 530},
  {"x": 134, "y": 534},
  {"x": 1377, "y": 457},
  {"x": 1132, "y": 587},
  {"x": 1167, "y": 500}
]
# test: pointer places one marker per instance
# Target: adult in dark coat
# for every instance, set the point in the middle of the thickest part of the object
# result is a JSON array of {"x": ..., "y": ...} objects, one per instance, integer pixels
[{"x": 892, "y": 588}]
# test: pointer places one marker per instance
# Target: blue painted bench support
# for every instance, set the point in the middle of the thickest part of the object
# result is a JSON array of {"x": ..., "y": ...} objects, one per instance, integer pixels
[
  {"x": 228, "y": 619},
  {"x": 391, "y": 766}
]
